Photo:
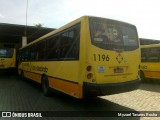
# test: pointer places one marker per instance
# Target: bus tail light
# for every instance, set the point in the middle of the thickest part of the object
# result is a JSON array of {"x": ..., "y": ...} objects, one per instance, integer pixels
[
  {"x": 89, "y": 75},
  {"x": 89, "y": 68}
]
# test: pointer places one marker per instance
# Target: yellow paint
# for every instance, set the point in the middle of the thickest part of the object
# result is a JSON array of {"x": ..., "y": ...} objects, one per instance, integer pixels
[
  {"x": 6, "y": 63},
  {"x": 33, "y": 76},
  {"x": 151, "y": 70},
  {"x": 67, "y": 87},
  {"x": 152, "y": 74}
]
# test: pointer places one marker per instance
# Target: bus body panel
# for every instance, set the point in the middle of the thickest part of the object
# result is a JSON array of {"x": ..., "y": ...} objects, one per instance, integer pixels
[
  {"x": 112, "y": 71},
  {"x": 151, "y": 70},
  {"x": 106, "y": 80},
  {"x": 114, "y": 67},
  {"x": 8, "y": 62},
  {"x": 62, "y": 76},
  {"x": 150, "y": 61}
]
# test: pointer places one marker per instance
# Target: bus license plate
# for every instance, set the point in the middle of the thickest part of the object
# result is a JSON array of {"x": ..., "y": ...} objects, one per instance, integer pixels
[{"x": 118, "y": 70}]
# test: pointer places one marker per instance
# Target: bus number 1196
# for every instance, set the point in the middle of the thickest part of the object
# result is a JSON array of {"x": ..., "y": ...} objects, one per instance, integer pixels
[{"x": 99, "y": 57}]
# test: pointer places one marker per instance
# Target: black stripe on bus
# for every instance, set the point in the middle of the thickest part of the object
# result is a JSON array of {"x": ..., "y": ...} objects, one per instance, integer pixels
[{"x": 53, "y": 77}]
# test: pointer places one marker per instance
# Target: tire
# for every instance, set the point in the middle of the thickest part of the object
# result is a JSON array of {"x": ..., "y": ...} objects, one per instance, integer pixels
[
  {"x": 142, "y": 76},
  {"x": 45, "y": 86}
]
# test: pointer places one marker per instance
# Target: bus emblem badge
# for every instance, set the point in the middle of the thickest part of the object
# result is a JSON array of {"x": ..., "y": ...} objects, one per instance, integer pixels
[{"x": 119, "y": 58}]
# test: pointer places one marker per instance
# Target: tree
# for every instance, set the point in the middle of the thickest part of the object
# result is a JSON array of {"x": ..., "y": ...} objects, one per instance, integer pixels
[{"x": 39, "y": 25}]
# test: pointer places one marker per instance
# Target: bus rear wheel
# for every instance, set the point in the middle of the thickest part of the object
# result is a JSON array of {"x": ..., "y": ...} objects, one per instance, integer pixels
[{"x": 45, "y": 86}]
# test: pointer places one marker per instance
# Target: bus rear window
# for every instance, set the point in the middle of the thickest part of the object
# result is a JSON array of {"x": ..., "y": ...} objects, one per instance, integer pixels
[
  {"x": 6, "y": 52},
  {"x": 112, "y": 35}
]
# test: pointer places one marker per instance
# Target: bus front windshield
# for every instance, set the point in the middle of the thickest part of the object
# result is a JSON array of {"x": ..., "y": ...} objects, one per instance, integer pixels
[
  {"x": 6, "y": 52},
  {"x": 112, "y": 35}
]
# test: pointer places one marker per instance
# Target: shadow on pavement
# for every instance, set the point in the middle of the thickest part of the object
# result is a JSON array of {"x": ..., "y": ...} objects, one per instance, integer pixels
[
  {"x": 23, "y": 95},
  {"x": 153, "y": 87}
]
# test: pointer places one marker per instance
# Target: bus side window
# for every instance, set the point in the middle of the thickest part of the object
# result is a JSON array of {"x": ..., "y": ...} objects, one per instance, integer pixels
[
  {"x": 144, "y": 55},
  {"x": 70, "y": 44},
  {"x": 39, "y": 51},
  {"x": 52, "y": 46},
  {"x": 153, "y": 55},
  {"x": 32, "y": 54}
]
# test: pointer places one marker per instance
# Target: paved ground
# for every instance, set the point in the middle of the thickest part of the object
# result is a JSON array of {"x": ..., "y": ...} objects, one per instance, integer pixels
[
  {"x": 147, "y": 98},
  {"x": 18, "y": 95}
]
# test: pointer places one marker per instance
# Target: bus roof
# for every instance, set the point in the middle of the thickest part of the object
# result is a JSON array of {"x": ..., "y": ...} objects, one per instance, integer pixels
[
  {"x": 56, "y": 31},
  {"x": 150, "y": 46},
  {"x": 66, "y": 26}
]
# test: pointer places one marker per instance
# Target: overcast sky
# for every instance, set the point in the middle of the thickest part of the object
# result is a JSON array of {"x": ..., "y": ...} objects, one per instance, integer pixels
[{"x": 145, "y": 14}]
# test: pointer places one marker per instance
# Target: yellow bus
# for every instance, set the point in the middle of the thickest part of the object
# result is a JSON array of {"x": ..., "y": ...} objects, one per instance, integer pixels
[
  {"x": 7, "y": 58},
  {"x": 150, "y": 61},
  {"x": 90, "y": 56}
]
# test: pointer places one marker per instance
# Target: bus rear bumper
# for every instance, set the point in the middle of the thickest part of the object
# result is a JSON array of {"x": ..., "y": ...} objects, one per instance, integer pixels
[{"x": 109, "y": 89}]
